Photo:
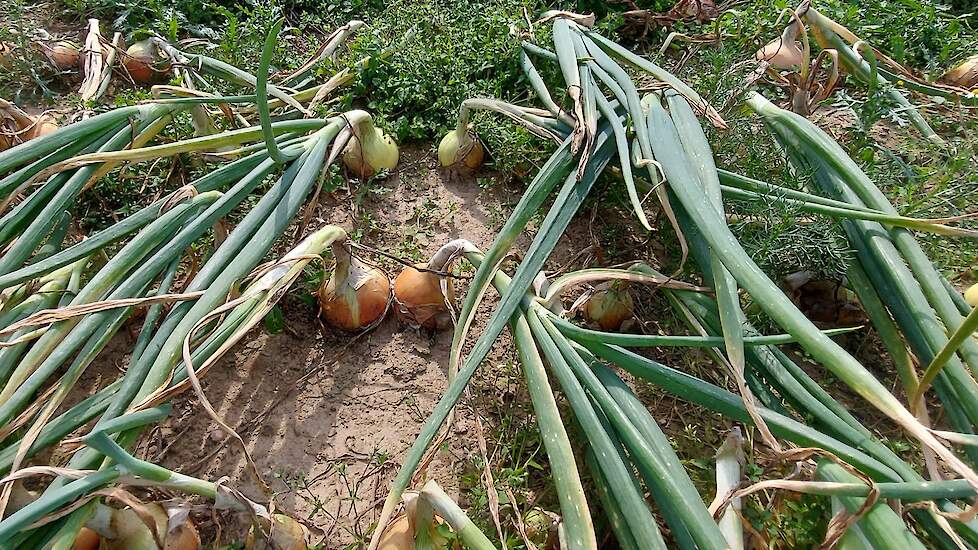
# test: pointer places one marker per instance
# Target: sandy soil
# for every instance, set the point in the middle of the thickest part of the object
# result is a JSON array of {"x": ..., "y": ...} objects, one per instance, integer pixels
[{"x": 329, "y": 417}]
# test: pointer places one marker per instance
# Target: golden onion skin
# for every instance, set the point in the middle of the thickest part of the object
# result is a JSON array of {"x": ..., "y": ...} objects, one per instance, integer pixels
[
  {"x": 783, "y": 52},
  {"x": 779, "y": 54},
  {"x": 182, "y": 537},
  {"x": 609, "y": 307},
  {"x": 143, "y": 62},
  {"x": 16, "y": 126},
  {"x": 358, "y": 304},
  {"x": 372, "y": 152},
  {"x": 419, "y": 298},
  {"x": 971, "y": 295},
  {"x": 63, "y": 55},
  {"x": 44, "y": 125},
  {"x": 86, "y": 539},
  {"x": 399, "y": 535},
  {"x": 965, "y": 75},
  {"x": 286, "y": 534},
  {"x": 464, "y": 157},
  {"x": 7, "y": 55},
  {"x": 133, "y": 534}
]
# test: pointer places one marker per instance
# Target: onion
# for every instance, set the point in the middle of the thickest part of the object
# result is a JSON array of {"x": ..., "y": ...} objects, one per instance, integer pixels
[
  {"x": 369, "y": 150},
  {"x": 62, "y": 54},
  {"x": 609, "y": 306},
  {"x": 86, "y": 539},
  {"x": 130, "y": 532},
  {"x": 16, "y": 126},
  {"x": 964, "y": 75},
  {"x": 399, "y": 535},
  {"x": 43, "y": 126},
  {"x": 7, "y": 55},
  {"x": 356, "y": 295},
  {"x": 145, "y": 62},
  {"x": 538, "y": 524},
  {"x": 181, "y": 532},
  {"x": 783, "y": 52},
  {"x": 285, "y": 533},
  {"x": 419, "y": 295},
  {"x": 971, "y": 295},
  {"x": 461, "y": 150}
]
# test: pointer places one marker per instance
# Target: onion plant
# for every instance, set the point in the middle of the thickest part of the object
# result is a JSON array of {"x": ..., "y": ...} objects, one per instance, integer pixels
[
  {"x": 656, "y": 143},
  {"x": 57, "y": 317},
  {"x": 916, "y": 294},
  {"x": 855, "y": 56}
]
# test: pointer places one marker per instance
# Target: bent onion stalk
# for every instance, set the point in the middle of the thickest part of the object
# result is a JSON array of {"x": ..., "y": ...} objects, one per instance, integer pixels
[
  {"x": 838, "y": 174},
  {"x": 256, "y": 301},
  {"x": 777, "y": 304},
  {"x": 826, "y": 33},
  {"x": 259, "y": 229}
]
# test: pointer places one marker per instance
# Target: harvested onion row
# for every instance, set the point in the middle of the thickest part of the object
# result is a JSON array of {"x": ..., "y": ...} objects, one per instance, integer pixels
[
  {"x": 835, "y": 430},
  {"x": 302, "y": 150}
]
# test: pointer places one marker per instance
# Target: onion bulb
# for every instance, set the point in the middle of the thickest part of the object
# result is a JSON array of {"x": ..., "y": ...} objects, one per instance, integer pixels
[
  {"x": 145, "y": 62},
  {"x": 783, "y": 52},
  {"x": 538, "y": 524},
  {"x": 16, "y": 126},
  {"x": 419, "y": 293},
  {"x": 419, "y": 297},
  {"x": 369, "y": 150},
  {"x": 7, "y": 55},
  {"x": 609, "y": 306},
  {"x": 130, "y": 532},
  {"x": 971, "y": 295},
  {"x": 356, "y": 295},
  {"x": 86, "y": 539},
  {"x": 964, "y": 75},
  {"x": 284, "y": 533},
  {"x": 43, "y": 125},
  {"x": 399, "y": 534},
  {"x": 62, "y": 54},
  {"x": 461, "y": 150}
]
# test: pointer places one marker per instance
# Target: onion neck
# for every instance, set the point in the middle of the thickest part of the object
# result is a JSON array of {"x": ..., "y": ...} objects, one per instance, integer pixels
[
  {"x": 344, "y": 262},
  {"x": 361, "y": 124},
  {"x": 448, "y": 253},
  {"x": 462, "y": 127}
]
